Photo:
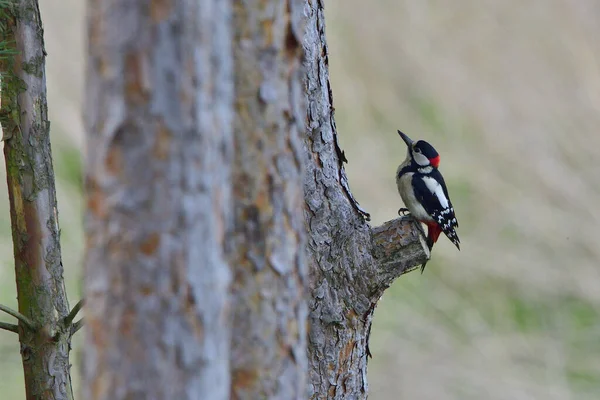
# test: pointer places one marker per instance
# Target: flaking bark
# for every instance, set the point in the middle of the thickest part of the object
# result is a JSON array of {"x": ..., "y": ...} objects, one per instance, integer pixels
[
  {"x": 269, "y": 326},
  {"x": 45, "y": 338},
  {"x": 158, "y": 191},
  {"x": 350, "y": 263}
]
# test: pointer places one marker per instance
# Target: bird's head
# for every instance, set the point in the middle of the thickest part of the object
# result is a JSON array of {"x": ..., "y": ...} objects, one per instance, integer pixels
[{"x": 421, "y": 152}]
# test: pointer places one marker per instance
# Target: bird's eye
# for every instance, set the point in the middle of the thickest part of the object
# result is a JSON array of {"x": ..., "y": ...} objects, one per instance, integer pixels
[{"x": 416, "y": 150}]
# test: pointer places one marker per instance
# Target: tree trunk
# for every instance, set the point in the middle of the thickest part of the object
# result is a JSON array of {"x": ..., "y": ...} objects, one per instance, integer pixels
[
  {"x": 269, "y": 326},
  {"x": 164, "y": 172},
  {"x": 350, "y": 263},
  {"x": 44, "y": 330},
  {"x": 158, "y": 187}
]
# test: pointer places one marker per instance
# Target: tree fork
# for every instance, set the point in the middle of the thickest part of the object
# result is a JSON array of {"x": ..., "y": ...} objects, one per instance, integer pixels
[{"x": 351, "y": 263}]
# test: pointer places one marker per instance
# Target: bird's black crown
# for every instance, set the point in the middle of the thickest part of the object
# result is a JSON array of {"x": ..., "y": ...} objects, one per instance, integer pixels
[{"x": 426, "y": 149}]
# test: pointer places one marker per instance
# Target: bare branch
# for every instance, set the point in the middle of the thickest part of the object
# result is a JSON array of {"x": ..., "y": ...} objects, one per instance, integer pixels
[
  {"x": 77, "y": 326},
  {"x": 399, "y": 247},
  {"x": 9, "y": 327},
  {"x": 69, "y": 318},
  {"x": 26, "y": 321}
]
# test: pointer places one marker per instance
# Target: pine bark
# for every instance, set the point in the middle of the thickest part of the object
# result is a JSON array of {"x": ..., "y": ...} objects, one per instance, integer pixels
[
  {"x": 350, "y": 263},
  {"x": 174, "y": 146},
  {"x": 269, "y": 325},
  {"x": 46, "y": 338},
  {"x": 158, "y": 191}
]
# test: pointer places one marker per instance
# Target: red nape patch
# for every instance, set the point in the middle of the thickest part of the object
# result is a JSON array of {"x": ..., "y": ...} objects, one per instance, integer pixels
[
  {"x": 433, "y": 231},
  {"x": 435, "y": 161}
]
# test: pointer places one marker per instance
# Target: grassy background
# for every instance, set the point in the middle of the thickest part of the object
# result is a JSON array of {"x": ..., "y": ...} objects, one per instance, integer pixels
[{"x": 509, "y": 93}]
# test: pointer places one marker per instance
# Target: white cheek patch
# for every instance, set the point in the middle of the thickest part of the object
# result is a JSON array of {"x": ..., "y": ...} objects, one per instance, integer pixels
[
  {"x": 436, "y": 189},
  {"x": 420, "y": 159}
]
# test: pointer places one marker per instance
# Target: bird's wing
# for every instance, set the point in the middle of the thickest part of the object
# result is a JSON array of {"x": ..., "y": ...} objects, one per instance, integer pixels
[{"x": 430, "y": 190}]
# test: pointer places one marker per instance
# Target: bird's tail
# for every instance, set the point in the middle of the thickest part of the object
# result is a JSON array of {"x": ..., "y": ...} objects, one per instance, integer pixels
[
  {"x": 453, "y": 236},
  {"x": 433, "y": 233}
]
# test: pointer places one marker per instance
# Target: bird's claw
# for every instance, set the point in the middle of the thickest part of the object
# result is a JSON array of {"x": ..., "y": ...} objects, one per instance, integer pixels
[{"x": 403, "y": 211}]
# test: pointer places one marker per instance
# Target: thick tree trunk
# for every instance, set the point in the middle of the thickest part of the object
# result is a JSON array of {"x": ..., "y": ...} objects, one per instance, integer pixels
[
  {"x": 269, "y": 326},
  {"x": 350, "y": 263},
  {"x": 44, "y": 331},
  {"x": 158, "y": 182},
  {"x": 163, "y": 173}
]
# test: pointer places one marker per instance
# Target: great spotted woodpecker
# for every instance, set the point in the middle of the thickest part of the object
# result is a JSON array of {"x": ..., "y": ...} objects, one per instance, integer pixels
[{"x": 424, "y": 192}]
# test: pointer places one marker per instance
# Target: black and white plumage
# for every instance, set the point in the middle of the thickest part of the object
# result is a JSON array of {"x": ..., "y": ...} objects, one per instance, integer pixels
[{"x": 424, "y": 192}]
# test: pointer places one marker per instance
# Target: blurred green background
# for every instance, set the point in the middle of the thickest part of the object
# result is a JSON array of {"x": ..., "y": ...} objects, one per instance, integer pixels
[{"x": 509, "y": 94}]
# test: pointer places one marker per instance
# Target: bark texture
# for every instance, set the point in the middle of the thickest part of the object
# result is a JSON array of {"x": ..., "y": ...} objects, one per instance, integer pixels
[
  {"x": 45, "y": 339},
  {"x": 350, "y": 263},
  {"x": 270, "y": 275},
  {"x": 158, "y": 183},
  {"x": 174, "y": 148}
]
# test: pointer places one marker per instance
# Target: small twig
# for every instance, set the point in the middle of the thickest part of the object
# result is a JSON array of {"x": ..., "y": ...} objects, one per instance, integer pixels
[
  {"x": 26, "y": 321},
  {"x": 9, "y": 327},
  {"x": 69, "y": 318},
  {"x": 77, "y": 326}
]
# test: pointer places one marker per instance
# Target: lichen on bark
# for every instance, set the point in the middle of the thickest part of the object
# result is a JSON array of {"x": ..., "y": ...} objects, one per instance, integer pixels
[{"x": 41, "y": 295}]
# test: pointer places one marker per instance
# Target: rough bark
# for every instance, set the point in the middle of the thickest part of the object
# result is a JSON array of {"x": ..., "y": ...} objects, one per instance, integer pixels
[
  {"x": 269, "y": 326},
  {"x": 350, "y": 263},
  {"x": 160, "y": 150},
  {"x": 44, "y": 334},
  {"x": 160, "y": 165}
]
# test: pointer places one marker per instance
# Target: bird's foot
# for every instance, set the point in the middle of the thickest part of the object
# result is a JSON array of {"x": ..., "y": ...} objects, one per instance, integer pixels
[{"x": 403, "y": 211}]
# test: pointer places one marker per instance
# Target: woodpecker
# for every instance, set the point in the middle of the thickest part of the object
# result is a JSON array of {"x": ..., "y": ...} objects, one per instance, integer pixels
[{"x": 424, "y": 192}]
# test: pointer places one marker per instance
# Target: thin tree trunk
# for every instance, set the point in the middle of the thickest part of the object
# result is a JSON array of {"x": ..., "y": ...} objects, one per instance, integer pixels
[
  {"x": 269, "y": 326},
  {"x": 350, "y": 263},
  {"x": 158, "y": 188},
  {"x": 44, "y": 330}
]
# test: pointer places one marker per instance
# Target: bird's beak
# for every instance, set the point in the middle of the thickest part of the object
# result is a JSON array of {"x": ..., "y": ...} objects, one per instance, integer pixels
[{"x": 406, "y": 139}]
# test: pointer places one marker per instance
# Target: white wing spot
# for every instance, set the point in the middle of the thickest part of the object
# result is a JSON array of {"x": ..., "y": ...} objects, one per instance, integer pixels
[{"x": 436, "y": 189}]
